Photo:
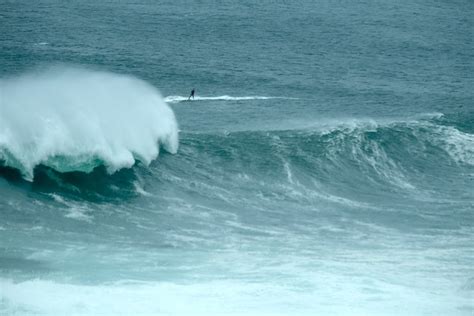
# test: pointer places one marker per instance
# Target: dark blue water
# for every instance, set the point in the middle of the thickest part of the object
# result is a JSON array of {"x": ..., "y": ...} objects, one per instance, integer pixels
[{"x": 325, "y": 166}]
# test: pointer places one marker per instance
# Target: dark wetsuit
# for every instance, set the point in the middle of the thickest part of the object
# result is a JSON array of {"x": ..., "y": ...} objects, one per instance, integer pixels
[{"x": 191, "y": 95}]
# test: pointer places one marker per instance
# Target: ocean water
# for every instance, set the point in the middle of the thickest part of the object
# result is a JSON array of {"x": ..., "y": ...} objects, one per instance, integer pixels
[{"x": 325, "y": 166}]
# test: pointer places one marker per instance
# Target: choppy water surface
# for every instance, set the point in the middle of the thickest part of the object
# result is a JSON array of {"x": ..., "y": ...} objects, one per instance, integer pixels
[{"x": 325, "y": 166}]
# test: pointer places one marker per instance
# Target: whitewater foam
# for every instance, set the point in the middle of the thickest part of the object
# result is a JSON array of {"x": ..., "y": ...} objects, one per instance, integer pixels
[
  {"x": 73, "y": 119},
  {"x": 228, "y": 297},
  {"x": 459, "y": 145},
  {"x": 178, "y": 98}
]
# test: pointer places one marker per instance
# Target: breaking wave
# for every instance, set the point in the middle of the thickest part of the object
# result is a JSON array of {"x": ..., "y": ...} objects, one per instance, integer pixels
[
  {"x": 353, "y": 155},
  {"x": 72, "y": 119}
]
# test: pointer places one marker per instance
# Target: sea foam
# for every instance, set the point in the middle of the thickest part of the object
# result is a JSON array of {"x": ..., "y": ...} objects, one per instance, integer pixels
[
  {"x": 178, "y": 98},
  {"x": 73, "y": 119}
]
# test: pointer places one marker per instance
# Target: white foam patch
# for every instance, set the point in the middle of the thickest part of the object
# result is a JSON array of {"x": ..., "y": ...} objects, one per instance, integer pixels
[
  {"x": 459, "y": 145},
  {"x": 73, "y": 210},
  {"x": 79, "y": 213},
  {"x": 140, "y": 190},
  {"x": 57, "y": 198},
  {"x": 143, "y": 298},
  {"x": 328, "y": 294},
  {"x": 75, "y": 119}
]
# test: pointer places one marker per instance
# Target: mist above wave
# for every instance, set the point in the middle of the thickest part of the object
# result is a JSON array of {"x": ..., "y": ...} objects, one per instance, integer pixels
[{"x": 73, "y": 119}]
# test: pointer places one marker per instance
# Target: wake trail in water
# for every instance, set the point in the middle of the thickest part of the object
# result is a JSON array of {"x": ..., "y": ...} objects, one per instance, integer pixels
[{"x": 178, "y": 98}]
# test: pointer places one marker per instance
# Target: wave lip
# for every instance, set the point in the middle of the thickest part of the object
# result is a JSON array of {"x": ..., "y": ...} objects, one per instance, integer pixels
[
  {"x": 178, "y": 98},
  {"x": 74, "y": 119}
]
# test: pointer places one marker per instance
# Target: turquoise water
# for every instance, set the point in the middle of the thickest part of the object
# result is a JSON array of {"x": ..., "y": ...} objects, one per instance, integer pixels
[{"x": 325, "y": 166}]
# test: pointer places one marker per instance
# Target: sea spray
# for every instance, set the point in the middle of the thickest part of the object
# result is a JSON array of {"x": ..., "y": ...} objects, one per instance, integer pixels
[{"x": 73, "y": 119}]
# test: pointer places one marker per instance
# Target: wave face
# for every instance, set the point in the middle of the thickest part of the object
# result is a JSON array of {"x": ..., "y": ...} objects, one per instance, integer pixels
[
  {"x": 344, "y": 162},
  {"x": 73, "y": 119},
  {"x": 336, "y": 197}
]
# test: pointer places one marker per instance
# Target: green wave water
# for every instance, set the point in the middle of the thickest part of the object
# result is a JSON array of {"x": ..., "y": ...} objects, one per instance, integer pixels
[{"x": 324, "y": 167}]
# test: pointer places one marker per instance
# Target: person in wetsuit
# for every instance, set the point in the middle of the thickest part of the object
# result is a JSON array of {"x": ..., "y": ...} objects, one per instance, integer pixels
[{"x": 191, "y": 95}]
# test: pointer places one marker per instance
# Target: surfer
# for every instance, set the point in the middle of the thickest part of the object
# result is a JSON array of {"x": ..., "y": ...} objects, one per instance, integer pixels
[{"x": 191, "y": 95}]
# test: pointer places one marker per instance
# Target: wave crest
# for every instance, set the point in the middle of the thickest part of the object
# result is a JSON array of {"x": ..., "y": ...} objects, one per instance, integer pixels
[{"x": 74, "y": 119}]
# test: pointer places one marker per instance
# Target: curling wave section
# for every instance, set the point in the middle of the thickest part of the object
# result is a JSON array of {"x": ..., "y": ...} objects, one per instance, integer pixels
[{"x": 73, "y": 119}]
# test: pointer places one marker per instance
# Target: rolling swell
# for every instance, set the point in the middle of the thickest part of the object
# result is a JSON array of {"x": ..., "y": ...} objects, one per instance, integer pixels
[
  {"x": 339, "y": 160},
  {"x": 352, "y": 160},
  {"x": 71, "y": 119}
]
